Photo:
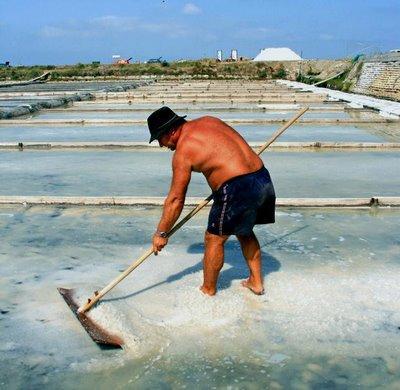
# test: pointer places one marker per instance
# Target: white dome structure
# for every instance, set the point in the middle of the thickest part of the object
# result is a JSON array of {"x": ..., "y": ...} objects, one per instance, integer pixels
[{"x": 277, "y": 54}]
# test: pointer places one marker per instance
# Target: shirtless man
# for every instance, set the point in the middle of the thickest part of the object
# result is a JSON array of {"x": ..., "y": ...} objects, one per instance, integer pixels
[{"x": 243, "y": 193}]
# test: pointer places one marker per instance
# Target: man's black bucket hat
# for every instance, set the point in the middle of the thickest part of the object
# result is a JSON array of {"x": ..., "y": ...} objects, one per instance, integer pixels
[{"x": 161, "y": 121}]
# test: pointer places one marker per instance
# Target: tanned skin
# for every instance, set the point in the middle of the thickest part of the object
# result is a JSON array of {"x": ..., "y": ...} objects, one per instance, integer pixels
[{"x": 208, "y": 145}]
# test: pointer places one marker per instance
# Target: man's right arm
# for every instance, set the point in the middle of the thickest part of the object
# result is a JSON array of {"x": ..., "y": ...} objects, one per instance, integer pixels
[{"x": 175, "y": 200}]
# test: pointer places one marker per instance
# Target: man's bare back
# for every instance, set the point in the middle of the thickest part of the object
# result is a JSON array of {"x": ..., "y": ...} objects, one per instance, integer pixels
[{"x": 215, "y": 149}]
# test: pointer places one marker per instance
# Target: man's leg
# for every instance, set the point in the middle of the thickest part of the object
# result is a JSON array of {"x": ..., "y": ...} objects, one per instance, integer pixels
[
  {"x": 252, "y": 253},
  {"x": 212, "y": 262}
]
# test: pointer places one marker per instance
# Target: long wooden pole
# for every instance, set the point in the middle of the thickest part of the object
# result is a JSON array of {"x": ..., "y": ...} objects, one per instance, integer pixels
[{"x": 99, "y": 294}]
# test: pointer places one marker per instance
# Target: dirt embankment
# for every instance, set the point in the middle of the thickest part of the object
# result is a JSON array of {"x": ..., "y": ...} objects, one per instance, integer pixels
[{"x": 309, "y": 69}]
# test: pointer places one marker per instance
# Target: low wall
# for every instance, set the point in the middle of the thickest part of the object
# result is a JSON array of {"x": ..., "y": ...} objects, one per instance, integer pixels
[
  {"x": 29, "y": 108},
  {"x": 380, "y": 77},
  {"x": 192, "y": 201}
]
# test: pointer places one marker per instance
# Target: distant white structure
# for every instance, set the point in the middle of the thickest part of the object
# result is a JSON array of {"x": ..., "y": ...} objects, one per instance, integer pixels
[
  {"x": 219, "y": 55},
  {"x": 277, "y": 54},
  {"x": 234, "y": 55}
]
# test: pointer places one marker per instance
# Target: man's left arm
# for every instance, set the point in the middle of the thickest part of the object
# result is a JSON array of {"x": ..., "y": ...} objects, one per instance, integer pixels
[{"x": 173, "y": 205}]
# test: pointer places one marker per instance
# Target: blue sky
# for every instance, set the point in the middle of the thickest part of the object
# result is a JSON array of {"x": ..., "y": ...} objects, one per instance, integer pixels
[{"x": 70, "y": 31}]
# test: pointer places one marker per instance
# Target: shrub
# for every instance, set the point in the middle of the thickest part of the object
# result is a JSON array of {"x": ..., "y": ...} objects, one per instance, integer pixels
[
  {"x": 33, "y": 73},
  {"x": 55, "y": 75},
  {"x": 346, "y": 86},
  {"x": 311, "y": 72},
  {"x": 262, "y": 73},
  {"x": 279, "y": 73}
]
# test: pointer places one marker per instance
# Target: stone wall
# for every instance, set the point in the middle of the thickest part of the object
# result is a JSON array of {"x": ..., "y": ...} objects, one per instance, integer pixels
[
  {"x": 322, "y": 69},
  {"x": 380, "y": 77}
]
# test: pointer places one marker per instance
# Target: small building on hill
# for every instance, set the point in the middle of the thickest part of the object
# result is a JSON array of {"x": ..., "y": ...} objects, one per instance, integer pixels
[{"x": 277, "y": 54}]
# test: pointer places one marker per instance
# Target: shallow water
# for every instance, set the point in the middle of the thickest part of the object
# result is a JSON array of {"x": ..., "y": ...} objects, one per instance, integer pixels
[
  {"x": 48, "y": 114},
  {"x": 330, "y": 318},
  {"x": 66, "y": 86},
  {"x": 13, "y": 103},
  {"x": 108, "y": 173},
  {"x": 184, "y": 106},
  {"x": 253, "y": 133}
]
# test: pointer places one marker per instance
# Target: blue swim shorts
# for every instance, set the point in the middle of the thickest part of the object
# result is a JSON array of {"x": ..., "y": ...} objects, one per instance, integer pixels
[{"x": 242, "y": 202}]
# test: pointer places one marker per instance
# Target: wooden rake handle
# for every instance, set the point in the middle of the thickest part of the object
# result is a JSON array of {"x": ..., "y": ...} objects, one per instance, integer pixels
[{"x": 99, "y": 294}]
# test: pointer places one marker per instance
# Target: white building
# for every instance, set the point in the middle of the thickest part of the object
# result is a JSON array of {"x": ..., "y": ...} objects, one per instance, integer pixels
[{"x": 277, "y": 54}]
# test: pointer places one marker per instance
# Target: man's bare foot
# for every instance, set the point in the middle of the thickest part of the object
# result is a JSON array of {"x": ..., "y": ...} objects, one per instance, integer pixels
[
  {"x": 207, "y": 291},
  {"x": 258, "y": 290}
]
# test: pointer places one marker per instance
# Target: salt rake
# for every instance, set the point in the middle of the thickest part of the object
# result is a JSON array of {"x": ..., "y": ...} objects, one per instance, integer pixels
[{"x": 100, "y": 335}]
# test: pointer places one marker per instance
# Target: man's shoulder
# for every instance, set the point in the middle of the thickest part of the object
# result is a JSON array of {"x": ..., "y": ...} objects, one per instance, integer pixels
[
  {"x": 191, "y": 139},
  {"x": 198, "y": 130},
  {"x": 197, "y": 127},
  {"x": 203, "y": 120}
]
